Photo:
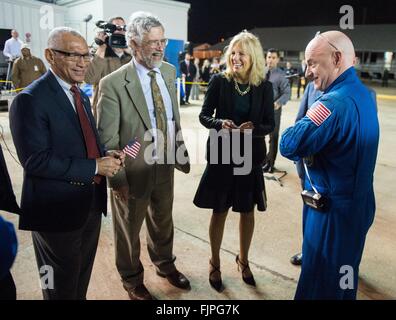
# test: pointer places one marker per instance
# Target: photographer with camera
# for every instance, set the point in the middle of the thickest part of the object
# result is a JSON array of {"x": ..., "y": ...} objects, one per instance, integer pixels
[{"x": 112, "y": 53}]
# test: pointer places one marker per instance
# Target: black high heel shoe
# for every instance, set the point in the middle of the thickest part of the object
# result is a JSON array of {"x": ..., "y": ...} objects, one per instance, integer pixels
[
  {"x": 215, "y": 284},
  {"x": 248, "y": 280}
]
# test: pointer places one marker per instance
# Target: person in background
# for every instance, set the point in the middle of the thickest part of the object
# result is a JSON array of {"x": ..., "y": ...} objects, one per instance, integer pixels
[
  {"x": 106, "y": 59},
  {"x": 214, "y": 66},
  {"x": 385, "y": 78},
  {"x": 282, "y": 94},
  {"x": 12, "y": 47},
  {"x": 290, "y": 73},
  {"x": 195, "y": 86},
  {"x": 12, "y": 51},
  {"x": 302, "y": 81},
  {"x": 27, "y": 68},
  {"x": 189, "y": 71},
  {"x": 205, "y": 71}
]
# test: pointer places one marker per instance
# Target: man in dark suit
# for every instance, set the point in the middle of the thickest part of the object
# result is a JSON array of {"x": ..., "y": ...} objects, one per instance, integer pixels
[
  {"x": 188, "y": 71},
  {"x": 64, "y": 187},
  {"x": 302, "y": 81}
]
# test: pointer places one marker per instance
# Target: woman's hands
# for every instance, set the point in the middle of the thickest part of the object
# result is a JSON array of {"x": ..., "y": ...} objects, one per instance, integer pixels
[
  {"x": 246, "y": 126},
  {"x": 229, "y": 124}
]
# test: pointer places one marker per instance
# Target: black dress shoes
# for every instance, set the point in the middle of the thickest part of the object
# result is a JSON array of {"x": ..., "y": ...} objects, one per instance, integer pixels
[
  {"x": 296, "y": 259},
  {"x": 247, "y": 279},
  {"x": 215, "y": 284},
  {"x": 176, "y": 279},
  {"x": 139, "y": 293}
]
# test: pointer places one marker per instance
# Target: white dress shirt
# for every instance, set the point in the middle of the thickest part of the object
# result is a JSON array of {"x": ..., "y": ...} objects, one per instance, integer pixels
[
  {"x": 145, "y": 82},
  {"x": 66, "y": 88},
  {"x": 12, "y": 48}
]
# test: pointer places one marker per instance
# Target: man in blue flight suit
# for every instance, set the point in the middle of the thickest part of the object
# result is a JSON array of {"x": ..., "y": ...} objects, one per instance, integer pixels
[
  {"x": 308, "y": 99},
  {"x": 340, "y": 133}
]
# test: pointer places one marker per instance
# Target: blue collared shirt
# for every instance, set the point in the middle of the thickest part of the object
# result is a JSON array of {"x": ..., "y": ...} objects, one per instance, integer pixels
[{"x": 280, "y": 85}]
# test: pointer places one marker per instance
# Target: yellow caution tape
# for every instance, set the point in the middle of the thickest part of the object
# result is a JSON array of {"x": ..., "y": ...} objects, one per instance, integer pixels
[
  {"x": 386, "y": 97},
  {"x": 200, "y": 83}
]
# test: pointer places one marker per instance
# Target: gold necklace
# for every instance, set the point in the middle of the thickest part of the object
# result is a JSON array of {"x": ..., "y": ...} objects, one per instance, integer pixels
[{"x": 242, "y": 93}]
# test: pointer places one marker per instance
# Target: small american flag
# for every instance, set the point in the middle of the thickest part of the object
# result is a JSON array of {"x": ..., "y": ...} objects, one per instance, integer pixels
[
  {"x": 318, "y": 114},
  {"x": 132, "y": 148}
]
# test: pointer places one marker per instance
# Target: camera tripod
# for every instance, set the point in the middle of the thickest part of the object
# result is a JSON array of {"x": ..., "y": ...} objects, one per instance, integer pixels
[
  {"x": 273, "y": 176},
  {"x": 8, "y": 84}
]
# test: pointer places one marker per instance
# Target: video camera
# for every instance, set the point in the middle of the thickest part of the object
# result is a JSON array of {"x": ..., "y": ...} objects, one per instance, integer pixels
[{"x": 114, "y": 40}]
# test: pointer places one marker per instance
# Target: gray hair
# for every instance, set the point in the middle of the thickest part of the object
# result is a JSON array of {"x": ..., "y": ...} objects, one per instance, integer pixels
[
  {"x": 140, "y": 23},
  {"x": 55, "y": 36}
]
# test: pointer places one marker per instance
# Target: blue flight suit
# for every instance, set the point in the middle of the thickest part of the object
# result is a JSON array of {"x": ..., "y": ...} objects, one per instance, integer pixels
[
  {"x": 343, "y": 142},
  {"x": 308, "y": 99},
  {"x": 8, "y": 247}
]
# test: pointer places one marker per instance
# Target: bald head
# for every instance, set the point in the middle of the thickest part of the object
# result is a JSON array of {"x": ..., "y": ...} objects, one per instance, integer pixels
[
  {"x": 14, "y": 34},
  {"x": 335, "y": 41},
  {"x": 328, "y": 55}
]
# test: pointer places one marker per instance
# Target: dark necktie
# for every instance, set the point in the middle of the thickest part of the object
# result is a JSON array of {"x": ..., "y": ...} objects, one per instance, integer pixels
[
  {"x": 267, "y": 76},
  {"x": 89, "y": 135},
  {"x": 160, "y": 112}
]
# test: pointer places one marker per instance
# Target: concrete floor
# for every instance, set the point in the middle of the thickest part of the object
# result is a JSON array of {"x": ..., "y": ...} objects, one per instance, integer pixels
[{"x": 277, "y": 233}]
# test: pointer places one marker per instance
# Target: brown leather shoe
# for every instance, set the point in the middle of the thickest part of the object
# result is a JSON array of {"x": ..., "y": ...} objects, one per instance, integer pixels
[
  {"x": 176, "y": 279},
  {"x": 139, "y": 293}
]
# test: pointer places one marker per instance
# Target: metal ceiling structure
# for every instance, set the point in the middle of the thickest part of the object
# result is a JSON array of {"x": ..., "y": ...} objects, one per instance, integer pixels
[{"x": 374, "y": 38}]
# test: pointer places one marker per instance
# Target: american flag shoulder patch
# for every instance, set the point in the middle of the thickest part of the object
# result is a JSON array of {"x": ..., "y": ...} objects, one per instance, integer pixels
[
  {"x": 132, "y": 148},
  {"x": 318, "y": 114}
]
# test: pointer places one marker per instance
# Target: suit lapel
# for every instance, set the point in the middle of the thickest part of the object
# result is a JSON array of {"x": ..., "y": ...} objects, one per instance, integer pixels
[
  {"x": 135, "y": 92},
  {"x": 62, "y": 100},
  {"x": 170, "y": 85}
]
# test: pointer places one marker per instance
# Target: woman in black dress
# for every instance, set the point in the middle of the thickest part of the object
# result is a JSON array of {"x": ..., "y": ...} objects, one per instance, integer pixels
[{"x": 238, "y": 104}]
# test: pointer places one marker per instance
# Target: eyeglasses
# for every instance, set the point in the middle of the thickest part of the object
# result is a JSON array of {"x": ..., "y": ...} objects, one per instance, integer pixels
[
  {"x": 156, "y": 43},
  {"x": 74, "y": 56},
  {"x": 321, "y": 35}
]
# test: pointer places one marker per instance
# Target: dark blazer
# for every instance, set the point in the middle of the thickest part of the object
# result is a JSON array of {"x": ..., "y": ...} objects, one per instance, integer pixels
[
  {"x": 189, "y": 71},
  {"x": 220, "y": 102},
  {"x": 58, "y": 187}
]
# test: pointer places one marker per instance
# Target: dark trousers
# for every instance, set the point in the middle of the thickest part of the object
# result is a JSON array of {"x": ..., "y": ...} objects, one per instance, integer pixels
[
  {"x": 188, "y": 90},
  {"x": 291, "y": 80},
  {"x": 65, "y": 259},
  {"x": 299, "y": 85},
  {"x": 274, "y": 139},
  {"x": 7, "y": 288}
]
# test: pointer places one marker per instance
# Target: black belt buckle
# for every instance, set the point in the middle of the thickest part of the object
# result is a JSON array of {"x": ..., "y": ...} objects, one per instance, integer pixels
[{"x": 314, "y": 200}]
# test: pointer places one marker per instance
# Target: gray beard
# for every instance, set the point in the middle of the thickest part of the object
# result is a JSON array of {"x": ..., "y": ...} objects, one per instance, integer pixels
[{"x": 152, "y": 64}]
